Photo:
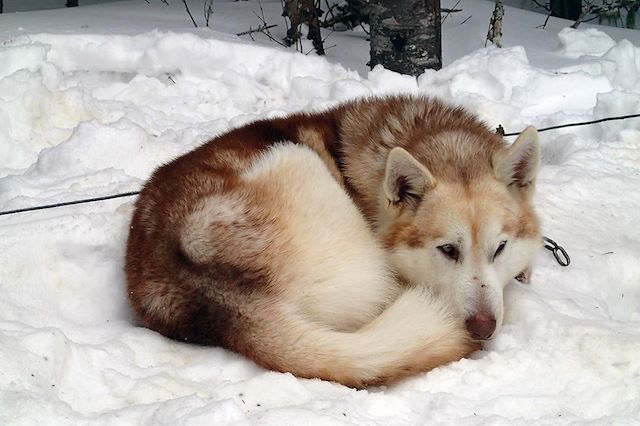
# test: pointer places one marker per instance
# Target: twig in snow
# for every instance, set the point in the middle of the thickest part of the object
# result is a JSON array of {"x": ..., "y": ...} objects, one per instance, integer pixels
[
  {"x": 313, "y": 48},
  {"x": 544, "y": 6},
  {"x": 351, "y": 13},
  {"x": 543, "y": 26},
  {"x": 189, "y": 12},
  {"x": 328, "y": 35},
  {"x": 265, "y": 27},
  {"x": 208, "y": 11},
  {"x": 465, "y": 21},
  {"x": 450, "y": 11},
  {"x": 260, "y": 29},
  {"x": 587, "y": 8}
]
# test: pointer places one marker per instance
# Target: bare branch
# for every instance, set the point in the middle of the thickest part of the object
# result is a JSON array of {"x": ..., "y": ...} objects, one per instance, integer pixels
[
  {"x": 465, "y": 21},
  {"x": 587, "y": 8},
  {"x": 450, "y": 11},
  {"x": 546, "y": 21},
  {"x": 264, "y": 28},
  {"x": 260, "y": 29},
  {"x": 543, "y": 6},
  {"x": 208, "y": 11},
  {"x": 189, "y": 12}
]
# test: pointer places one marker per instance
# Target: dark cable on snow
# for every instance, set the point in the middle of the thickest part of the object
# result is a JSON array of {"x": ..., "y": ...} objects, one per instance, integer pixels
[
  {"x": 499, "y": 130},
  {"x": 69, "y": 203}
]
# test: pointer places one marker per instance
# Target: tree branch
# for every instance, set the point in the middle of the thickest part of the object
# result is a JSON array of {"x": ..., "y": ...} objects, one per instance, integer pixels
[
  {"x": 260, "y": 29},
  {"x": 189, "y": 12}
]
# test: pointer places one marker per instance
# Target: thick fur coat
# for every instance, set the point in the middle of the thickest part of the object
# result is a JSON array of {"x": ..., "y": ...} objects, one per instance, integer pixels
[{"x": 360, "y": 244}]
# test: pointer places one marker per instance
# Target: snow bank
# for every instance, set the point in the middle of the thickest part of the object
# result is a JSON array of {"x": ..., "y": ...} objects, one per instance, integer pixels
[{"x": 87, "y": 115}]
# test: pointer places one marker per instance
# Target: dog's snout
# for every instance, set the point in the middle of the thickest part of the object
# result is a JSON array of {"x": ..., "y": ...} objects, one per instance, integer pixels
[{"x": 481, "y": 325}]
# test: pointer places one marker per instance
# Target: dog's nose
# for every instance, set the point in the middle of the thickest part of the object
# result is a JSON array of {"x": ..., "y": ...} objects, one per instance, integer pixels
[{"x": 481, "y": 325}]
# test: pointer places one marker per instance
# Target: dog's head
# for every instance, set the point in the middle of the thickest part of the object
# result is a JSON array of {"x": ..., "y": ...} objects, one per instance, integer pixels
[{"x": 465, "y": 238}]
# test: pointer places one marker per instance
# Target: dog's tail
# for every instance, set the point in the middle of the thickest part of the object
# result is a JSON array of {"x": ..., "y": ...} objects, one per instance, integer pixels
[{"x": 415, "y": 333}]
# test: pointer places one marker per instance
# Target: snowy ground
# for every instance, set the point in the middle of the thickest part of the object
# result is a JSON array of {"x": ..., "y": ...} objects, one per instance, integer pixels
[{"x": 92, "y": 99}]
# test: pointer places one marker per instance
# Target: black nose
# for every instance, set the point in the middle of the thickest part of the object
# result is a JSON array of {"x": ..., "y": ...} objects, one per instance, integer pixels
[{"x": 481, "y": 325}]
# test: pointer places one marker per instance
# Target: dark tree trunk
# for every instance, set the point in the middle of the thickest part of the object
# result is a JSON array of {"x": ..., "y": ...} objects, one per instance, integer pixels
[
  {"x": 1, "y": 6},
  {"x": 631, "y": 18},
  {"x": 567, "y": 9},
  {"x": 72, "y": 3},
  {"x": 314, "y": 28},
  {"x": 303, "y": 12},
  {"x": 405, "y": 35}
]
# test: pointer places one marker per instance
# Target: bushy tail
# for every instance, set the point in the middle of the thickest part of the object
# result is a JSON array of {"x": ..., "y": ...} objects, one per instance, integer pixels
[{"x": 414, "y": 334}]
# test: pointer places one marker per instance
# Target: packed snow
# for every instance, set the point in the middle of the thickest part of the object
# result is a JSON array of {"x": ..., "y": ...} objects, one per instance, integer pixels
[{"x": 93, "y": 99}]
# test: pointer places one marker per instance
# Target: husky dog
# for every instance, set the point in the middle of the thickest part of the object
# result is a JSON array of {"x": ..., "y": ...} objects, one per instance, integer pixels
[{"x": 360, "y": 245}]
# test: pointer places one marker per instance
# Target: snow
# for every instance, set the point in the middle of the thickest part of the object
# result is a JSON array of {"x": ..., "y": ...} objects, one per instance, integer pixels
[{"x": 92, "y": 99}]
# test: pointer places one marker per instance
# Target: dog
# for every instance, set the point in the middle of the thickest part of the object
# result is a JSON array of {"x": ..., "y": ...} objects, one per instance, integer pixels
[{"x": 359, "y": 245}]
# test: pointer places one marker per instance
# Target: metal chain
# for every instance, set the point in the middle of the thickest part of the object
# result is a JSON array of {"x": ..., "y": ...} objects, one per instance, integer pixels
[{"x": 561, "y": 255}]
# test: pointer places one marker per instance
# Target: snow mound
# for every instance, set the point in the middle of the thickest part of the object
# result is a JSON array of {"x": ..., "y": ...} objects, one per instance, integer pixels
[{"x": 578, "y": 43}]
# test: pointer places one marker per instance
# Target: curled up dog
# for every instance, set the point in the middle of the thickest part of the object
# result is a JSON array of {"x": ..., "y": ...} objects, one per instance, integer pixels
[{"x": 360, "y": 244}]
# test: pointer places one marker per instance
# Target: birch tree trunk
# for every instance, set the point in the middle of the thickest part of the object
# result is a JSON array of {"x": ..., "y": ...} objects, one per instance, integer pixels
[
  {"x": 405, "y": 35},
  {"x": 495, "y": 26}
]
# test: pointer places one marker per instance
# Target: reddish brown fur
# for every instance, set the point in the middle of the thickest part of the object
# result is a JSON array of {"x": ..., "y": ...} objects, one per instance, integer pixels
[{"x": 189, "y": 309}]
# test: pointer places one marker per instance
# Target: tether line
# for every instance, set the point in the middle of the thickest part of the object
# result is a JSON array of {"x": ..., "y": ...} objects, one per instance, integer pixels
[{"x": 499, "y": 130}]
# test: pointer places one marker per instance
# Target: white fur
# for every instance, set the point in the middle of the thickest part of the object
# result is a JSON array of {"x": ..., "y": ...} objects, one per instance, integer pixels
[
  {"x": 338, "y": 273},
  {"x": 416, "y": 329},
  {"x": 339, "y": 310},
  {"x": 475, "y": 282}
]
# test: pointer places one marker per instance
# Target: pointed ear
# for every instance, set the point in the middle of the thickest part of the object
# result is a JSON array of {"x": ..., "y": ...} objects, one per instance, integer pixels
[
  {"x": 406, "y": 179},
  {"x": 518, "y": 165}
]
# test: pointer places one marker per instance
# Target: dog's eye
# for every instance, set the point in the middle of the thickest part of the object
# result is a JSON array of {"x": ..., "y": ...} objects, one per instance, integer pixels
[
  {"x": 500, "y": 249},
  {"x": 450, "y": 251}
]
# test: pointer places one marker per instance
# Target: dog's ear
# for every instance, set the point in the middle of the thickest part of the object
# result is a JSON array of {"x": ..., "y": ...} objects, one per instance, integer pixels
[
  {"x": 518, "y": 165},
  {"x": 405, "y": 179}
]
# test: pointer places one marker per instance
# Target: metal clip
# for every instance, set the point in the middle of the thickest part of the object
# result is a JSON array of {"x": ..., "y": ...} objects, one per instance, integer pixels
[{"x": 561, "y": 255}]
